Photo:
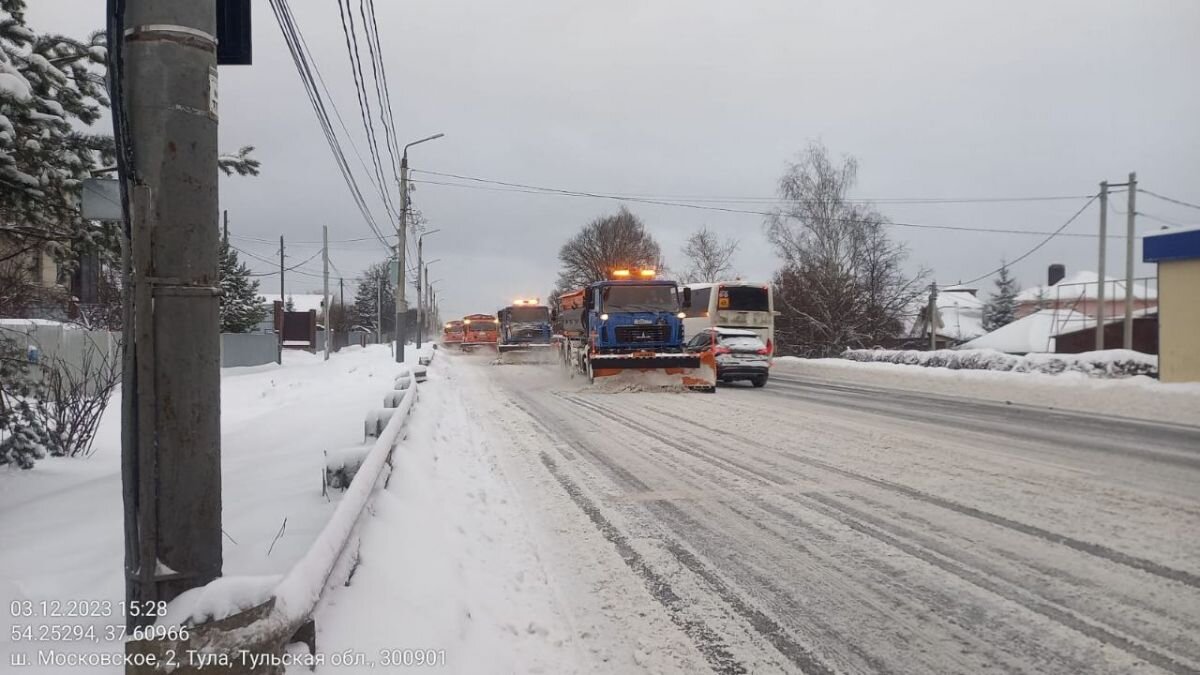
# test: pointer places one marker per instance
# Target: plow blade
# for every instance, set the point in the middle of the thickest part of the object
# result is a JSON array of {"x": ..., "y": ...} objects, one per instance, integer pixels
[
  {"x": 527, "y": 353},
  {"x": 694, "y": 371}
]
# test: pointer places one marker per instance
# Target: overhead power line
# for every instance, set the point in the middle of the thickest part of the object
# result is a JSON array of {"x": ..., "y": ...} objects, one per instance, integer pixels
[
  {"x": 1165, "y": 198},
  {"x": 1035, "y": 248},
  {"x": 533, "y": 189},
  {"x": 305, "y": 67}
]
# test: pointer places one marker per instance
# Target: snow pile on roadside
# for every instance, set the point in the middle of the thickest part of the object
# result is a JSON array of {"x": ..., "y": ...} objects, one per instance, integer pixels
[
  {"x": 60, "y": 523},
  {"x": 1134, "y": 397},
  {"x": 1110, "y": 363},
  {"x": 446, "y": 565}
]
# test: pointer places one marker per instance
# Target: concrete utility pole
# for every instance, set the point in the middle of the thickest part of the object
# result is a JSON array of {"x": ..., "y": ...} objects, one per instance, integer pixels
[
  {"x": 932, "y": 311},
  {"x": 173, "y": 451},
  {"x": 328, "y": 310},
  {"x": 282, "y": 306},
  {"x": 379, "y": 312},
  {"x": 1103, "y": 251},
  {"x": 1130, "y": 218},
  {"x": 401, "y": 242},
  {"x": 420, "y": 295}
]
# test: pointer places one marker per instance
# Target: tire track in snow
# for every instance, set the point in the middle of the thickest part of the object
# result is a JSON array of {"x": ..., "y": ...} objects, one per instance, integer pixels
[
  {"x": 958, "y": 567},
  {"x": 706, "y": 640},
  {"x": 1090, "y": 548}
]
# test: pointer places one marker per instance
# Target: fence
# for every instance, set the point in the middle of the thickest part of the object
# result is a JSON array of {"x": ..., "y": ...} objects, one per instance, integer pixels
[
  {"x": 64, "y": 345},
  {"x": 248, "y": 349}
]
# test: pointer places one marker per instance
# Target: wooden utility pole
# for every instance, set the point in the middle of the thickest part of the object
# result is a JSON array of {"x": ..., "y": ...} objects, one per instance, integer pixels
[
  {"x": 282, "y": 306},
  {"x": 173, "y": 449}
]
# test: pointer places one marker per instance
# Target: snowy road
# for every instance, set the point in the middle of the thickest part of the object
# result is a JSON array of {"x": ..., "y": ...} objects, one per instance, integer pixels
[{"x": 816, "y": 527}]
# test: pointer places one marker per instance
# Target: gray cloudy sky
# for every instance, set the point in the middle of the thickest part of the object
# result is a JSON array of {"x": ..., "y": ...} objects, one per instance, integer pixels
[{"x": 701, "y": 98}]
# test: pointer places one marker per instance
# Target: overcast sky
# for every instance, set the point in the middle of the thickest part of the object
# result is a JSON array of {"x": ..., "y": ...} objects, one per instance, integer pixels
[{"x": 707, "y": 99}]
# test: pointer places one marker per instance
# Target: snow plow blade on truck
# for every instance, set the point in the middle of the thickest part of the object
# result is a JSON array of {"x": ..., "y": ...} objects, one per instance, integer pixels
[
  {"x": 630, "y": 330},
  {"x": 693, "y": 371}
]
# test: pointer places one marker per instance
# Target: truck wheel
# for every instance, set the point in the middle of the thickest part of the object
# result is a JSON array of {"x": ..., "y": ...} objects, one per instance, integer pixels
[
  {"x": 591, "y": 377},
  {"x": 759, "y": 381}
]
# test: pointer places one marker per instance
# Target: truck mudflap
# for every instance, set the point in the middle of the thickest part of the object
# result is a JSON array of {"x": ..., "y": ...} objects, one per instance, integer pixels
[{"x": 694, "y": 371}]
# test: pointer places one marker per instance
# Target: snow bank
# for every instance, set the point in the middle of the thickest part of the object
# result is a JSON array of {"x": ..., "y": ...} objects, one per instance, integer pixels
[
  {"x": 1138, "y": 397},
  {"x": 1113, "y": 363}
]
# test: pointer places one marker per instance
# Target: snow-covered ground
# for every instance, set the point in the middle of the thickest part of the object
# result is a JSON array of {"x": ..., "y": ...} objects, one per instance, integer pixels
[
  {"x": 1135, "y": 397},
  {"x": 536, "y": 524},
  {"x": 60, "y": 523}
]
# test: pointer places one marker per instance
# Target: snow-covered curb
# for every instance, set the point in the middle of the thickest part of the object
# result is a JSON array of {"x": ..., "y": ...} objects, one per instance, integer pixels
[
  {"x": 1136, "y": 397},
  {"x": 1113, "y": 363},
  {"x": 230, "y": 626}
]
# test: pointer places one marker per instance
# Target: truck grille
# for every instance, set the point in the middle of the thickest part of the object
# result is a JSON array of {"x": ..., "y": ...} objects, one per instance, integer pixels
[{"x": 643, "y": 334}]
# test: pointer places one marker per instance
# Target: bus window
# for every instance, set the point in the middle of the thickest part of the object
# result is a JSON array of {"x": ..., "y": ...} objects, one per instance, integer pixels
[{"x": 744, "y": 299}]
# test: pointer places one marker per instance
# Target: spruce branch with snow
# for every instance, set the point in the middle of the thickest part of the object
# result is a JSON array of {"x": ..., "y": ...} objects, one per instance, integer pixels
[{"x": 240, "y": 162}]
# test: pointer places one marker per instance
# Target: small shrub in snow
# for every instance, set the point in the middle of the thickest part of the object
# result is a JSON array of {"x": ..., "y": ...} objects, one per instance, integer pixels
[
  {"x": 1113, "y": 363},
  {"x": 23, "y": 436}
]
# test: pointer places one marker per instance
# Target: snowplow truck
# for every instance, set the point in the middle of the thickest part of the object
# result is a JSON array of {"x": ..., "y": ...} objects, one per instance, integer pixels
[
  {"x": 630, "y": 328},
  {"x": 525, "y": 332},
  {"x": 452, "y": 333},
  {"x": 478, "y": 330}
]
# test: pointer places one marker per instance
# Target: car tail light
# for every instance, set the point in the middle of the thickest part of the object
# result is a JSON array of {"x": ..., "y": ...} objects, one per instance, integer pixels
[
  {"x": 764, "y": 351},
  {"x": 722, "y": 350},
  {"x": 770, "y": 347}
]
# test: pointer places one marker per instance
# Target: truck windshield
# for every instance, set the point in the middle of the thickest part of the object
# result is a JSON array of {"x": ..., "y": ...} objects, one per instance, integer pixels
[
  {"x": 656, "y": 298},
  {"x": 529, "y": 314}
]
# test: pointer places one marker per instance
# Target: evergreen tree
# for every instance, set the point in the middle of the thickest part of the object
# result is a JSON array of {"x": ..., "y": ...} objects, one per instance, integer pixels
[
  {"x": 51, "y": 89},
  {"x": 241, "y": 308},
  {"x": 1001, "y": 308},
  {"x": 374, "y": 285},
  {"x": 23, "y": 436},
  {"x": 289, "y": 305}
]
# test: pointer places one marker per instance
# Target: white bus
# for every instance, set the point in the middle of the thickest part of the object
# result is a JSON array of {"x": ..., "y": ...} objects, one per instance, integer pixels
[{"x": 732, "y": 304}]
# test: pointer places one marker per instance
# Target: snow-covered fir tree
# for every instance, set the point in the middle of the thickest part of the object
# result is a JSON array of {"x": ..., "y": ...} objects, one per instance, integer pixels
[
  {"x": 241, "y": 308},
  {"x": 1001, "y": 308},
  {"x": 23, "y": 437},
  {"x": 51, "y": 86},
  {"x": 375, "y": 287}
]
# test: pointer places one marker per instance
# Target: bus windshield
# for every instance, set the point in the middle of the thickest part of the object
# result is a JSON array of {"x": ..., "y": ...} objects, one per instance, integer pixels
[
  {"x": 743, "y": 299},
  {"x": 657, "y": 298},
  {"x": 529, "y": 314}
]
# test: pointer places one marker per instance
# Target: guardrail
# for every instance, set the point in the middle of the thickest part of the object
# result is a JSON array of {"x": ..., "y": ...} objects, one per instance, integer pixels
[{"x": 264, "y": 630}]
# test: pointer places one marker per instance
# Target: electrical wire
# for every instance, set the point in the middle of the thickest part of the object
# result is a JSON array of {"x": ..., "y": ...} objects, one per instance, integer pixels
[
  {"x": 531, "y": 189},
  {"x": 1165, "y": 198},
  {"x": 1035, "y": 248},
  {"x": 304, "y": 67},
  {"x": 1162, "y": 220}
]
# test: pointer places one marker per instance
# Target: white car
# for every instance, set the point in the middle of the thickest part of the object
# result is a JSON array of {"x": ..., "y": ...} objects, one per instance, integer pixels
[{"x": 740, "y": 354}]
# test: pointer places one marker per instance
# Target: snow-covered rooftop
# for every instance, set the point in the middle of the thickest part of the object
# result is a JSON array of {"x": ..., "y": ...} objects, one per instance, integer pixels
[
  {"x": 961, "y": 312},
  {"x": 1033, "y": 333},
  {"x": 303, "y": 301},
  {"x": 1084, "y": 286}
]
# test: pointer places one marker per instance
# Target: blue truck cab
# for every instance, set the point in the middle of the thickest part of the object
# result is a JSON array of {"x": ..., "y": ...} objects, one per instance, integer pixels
[
  {"x": 625, "y": 315},
  {"x": 524, "y": 324}
]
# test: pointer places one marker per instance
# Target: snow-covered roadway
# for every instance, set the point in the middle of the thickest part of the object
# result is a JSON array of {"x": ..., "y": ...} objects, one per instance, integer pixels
[
  {"x": 536, "y": 524},
  {"x": 822, "y": 528}
]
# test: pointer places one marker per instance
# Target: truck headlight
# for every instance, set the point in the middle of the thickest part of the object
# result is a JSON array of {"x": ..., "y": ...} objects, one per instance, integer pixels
[
  {"x": 604, "y": 317},
  {"x": 681, "y": 315}
]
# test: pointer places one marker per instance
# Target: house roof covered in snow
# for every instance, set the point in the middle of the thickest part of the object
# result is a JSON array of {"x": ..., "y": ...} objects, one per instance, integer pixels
[
  {"x": 302, "y": 301},
  {"x": 1084, "y": 286},
  {"x": 961, "y": 312},
  {"x": 1033, "y": 333}
]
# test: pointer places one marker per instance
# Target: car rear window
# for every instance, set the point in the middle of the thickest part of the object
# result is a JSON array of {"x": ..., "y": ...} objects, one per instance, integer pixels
[{"x": 742, "y": 342}]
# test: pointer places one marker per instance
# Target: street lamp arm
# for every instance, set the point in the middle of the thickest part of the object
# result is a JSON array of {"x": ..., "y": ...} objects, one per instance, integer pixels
[{"x": 427, "y": 138}]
